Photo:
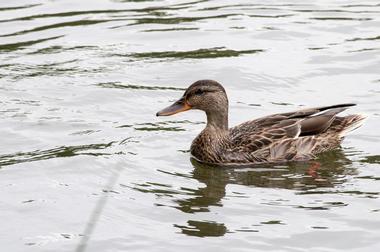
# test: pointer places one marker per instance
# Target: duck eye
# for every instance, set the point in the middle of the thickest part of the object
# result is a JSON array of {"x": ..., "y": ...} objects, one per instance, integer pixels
[{"x": 198, "y": 92}]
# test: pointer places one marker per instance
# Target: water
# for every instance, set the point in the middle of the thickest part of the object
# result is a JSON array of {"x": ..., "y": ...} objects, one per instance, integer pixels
[{"x": 86, "y": 165}]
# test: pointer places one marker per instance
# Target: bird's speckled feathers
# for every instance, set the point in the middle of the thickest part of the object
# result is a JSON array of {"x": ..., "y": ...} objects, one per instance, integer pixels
[{"x": 297, "y": 135}]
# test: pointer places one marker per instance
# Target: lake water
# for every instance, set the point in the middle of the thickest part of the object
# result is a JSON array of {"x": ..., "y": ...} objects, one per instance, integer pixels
[{"x": 87, "y": 166}]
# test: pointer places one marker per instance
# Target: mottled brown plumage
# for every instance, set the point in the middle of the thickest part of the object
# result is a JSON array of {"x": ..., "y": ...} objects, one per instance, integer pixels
[{"x": 297, "y": 135}]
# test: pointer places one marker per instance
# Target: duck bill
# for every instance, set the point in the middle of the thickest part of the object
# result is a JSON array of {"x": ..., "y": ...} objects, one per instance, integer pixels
[{"x": 179, "y": 106}]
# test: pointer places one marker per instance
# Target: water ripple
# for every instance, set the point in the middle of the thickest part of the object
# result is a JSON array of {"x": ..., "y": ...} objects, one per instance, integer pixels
[
  {"x": 120, "y": 85},
  {"x": 63, "y": 151},
  {"x": 217, "y": 52},
  {"x": 19, "y": 7},
  {"x": 22, "y": 45},
  {"x": 75, "y": 76}
]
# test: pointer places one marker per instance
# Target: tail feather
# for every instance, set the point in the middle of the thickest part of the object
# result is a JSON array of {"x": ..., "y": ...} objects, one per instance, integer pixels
[{"x": 351, "y": 123}]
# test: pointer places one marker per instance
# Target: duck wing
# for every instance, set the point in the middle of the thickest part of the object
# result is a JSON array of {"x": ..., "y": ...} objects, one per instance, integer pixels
[{"x": 282, "y": 130}]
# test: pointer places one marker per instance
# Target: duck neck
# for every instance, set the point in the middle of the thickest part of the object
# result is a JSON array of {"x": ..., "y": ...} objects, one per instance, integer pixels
[{"x": 218, "y": 120}]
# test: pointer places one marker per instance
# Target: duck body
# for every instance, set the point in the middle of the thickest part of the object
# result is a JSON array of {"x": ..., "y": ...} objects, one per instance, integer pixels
[{"x": 292, "y": 136}]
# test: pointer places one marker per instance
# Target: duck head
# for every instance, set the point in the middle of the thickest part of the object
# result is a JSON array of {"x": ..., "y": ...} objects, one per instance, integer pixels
[{"x": 206, "y": 95}]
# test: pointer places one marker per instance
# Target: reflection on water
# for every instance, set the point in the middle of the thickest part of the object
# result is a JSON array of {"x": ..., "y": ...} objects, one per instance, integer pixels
[
  {"x": 322, "y": 176},
  {"x": 372, "y": 159},
  {"x": 203, "y": 228},
  {"x": 329, "y": 170},
  {"x": 24, "y": 44},
  {"x": 63, "y": 151},
  {"x": 195, "y": 54}
]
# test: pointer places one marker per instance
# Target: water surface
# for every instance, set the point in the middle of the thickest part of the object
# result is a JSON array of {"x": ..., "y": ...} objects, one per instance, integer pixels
[{"x": 86, "y": 166}]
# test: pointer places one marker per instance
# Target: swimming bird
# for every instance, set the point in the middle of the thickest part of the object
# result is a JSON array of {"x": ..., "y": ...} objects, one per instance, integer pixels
[{"x": 292, "y": 136}]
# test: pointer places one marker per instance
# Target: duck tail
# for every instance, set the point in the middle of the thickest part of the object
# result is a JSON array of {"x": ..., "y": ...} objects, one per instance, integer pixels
[{"x": 351, "y": 122}]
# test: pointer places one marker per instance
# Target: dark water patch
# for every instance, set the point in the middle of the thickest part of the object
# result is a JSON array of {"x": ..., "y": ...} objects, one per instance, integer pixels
[
  {"x": 334, "y": 11},
  {"x": 175, "y": 174},
  {"x": 128, "y": 140},
  {"x": 271, "y": 28},
  {"x": 282, "y": 103},
  {"x": 12, "y": 110},
  {"x": 59, "y": 49},
  {"x": 190, "y": 4},
  {"x": 316, "y": 48},
  {"x": 76, "y": 13},
  {"x": 119, "y": 85},
  {"x": 125, "y": 126},
  {"x": 348, "y": 192},
  {"x": 368, "y": 38},
  {"x": 247, "y": 230},
  {"x": 200, "y": 200},
  {"x": 180, "y": 122},
  {"x": 336, "y": 203},
  {"x": 30, "y": 243},
  {"x": 48, "y": 71},
  {"x": 59, "y": 14},
  {"x": 110, "y": 191},
  {"x": 157, "y": 189},
  {"x": 27, "y": 102},
  {"x": 313, "y": 207},
  {"x": 272, "y": 222},
  {"x": 84, "y": 132},
  {"x": 375, "y": 159},
  {"x": 360, "y": 5},
  {"x": 59, "y": 152},
  {"x": 174, "y": 20},
  {"x": 158, "y": 184},
  {"x": 216, "y": 52},
  {"x": 263, "y": 6},
  {"x": 158, "y": 128},
  {"x": 340, "y": 19},
  {"x": 271, "y": 16},
  {"x": 21, "y": 45},
  {"x": 19, "y": 7},
  {"x": 250, "y": 104},
  {"x": 6, "y": 65},
  {"x": 60, "y": 25},
  {"x": 286, "y": 5},
  {"x": 237, "y": 27},
  {"x": 240, "y": 7},
  {"x": 57, "y": 63},
  {"x": 368, "y": 177},
  {"x": 363, "y": 50},
  {"x": 223, "y": 7},
  {"x": 20, "y": 71},
  {"x": 171, "y": 29},
  {"x": 203, "y": 228},
  {"x": 27, "y": 201}
]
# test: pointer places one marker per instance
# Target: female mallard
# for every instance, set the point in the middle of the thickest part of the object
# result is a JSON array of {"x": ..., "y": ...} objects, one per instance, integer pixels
[{"x": 297, "y": 135}]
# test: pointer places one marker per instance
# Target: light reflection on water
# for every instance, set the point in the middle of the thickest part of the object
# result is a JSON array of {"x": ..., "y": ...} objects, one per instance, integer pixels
[{"x": 82, "y": 152}]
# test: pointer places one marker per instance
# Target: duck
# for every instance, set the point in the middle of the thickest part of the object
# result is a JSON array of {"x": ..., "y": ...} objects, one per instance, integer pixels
[{"x": 292, "y": 136}]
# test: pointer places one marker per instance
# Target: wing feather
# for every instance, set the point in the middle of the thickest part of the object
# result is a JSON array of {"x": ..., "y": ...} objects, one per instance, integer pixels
[{"x": 286, "y": 136}]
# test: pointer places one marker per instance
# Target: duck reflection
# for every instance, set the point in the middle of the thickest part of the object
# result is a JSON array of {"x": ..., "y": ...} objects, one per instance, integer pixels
[{"x": 330, "y": 169}]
